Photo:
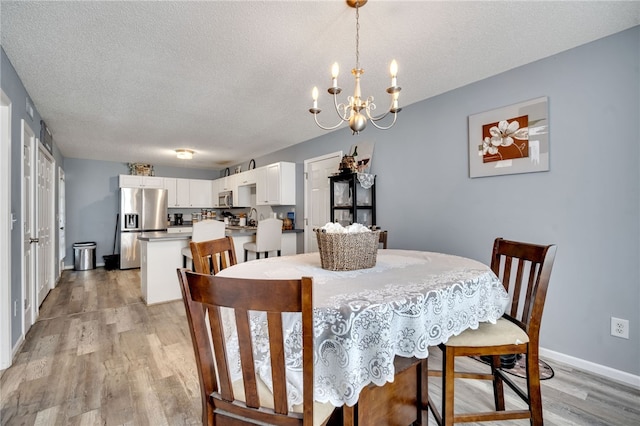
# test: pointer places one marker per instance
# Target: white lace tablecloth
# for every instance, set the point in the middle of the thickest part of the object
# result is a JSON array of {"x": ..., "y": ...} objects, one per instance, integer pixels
[{"x": 409, "y": 301}]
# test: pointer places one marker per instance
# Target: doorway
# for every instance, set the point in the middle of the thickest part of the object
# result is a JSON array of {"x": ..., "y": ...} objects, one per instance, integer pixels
[
  {"x": 62, "y": 218},
  {"x": 28, "y": 227},
  {"x": 45, "y": 226},
  {"x": 316, "y": 195}
]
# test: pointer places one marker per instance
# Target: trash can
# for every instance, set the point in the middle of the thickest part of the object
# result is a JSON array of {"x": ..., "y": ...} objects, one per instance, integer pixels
[{"x": 84, "y": 256}]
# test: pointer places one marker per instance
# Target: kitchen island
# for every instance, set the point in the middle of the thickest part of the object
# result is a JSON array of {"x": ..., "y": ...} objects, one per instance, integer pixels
[{"x": 160, "y": 254}]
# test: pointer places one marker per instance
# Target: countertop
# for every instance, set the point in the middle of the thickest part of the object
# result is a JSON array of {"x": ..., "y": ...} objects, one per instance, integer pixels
[{"x": 231, "y": 230}]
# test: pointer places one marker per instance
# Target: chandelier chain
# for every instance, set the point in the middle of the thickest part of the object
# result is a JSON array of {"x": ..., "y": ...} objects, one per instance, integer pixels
[{"x": 357, "y": 35}]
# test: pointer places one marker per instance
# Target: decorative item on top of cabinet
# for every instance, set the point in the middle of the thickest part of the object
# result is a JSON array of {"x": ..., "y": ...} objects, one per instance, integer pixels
[
  {"x": 252, "y": 164},
  {"x": 351, "y": 200},
  {"x": 141, "y": 169}
]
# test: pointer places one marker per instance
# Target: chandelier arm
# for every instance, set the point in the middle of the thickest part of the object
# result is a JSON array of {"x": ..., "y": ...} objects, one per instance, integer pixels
[
  {"x": 315, "y": 117},
  {"x": 380, "y": 117},
  {"x": 395, "y": 116},
  {"x": 340, "y": 106}
]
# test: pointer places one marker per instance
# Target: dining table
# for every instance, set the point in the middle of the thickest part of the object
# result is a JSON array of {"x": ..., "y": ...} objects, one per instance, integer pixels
[{"x": 364, "y": 319}]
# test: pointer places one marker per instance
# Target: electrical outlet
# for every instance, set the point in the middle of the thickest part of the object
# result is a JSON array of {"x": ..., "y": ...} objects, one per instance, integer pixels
[{"x": 620, "y": 327}]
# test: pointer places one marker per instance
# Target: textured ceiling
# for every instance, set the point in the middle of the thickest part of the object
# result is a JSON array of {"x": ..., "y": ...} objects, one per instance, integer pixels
[{"x": 132, "y": 81}]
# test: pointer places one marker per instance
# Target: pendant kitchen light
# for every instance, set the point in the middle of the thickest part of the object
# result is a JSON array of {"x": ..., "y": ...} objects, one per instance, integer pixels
[
  {"x": 184, "y": 154},
  {"x": 357, "y": 110}
]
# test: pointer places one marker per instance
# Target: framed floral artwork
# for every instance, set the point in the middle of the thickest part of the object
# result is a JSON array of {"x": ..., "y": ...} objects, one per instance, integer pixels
[{"x": 510, "y": 140}]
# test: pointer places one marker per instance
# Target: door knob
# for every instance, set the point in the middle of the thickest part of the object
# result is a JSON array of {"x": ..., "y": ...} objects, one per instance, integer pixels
[{"x": 33, "y": 240}]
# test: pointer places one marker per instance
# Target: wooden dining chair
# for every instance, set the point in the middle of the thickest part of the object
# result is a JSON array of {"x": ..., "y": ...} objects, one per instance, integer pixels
[
  {"x": 210, "y": 257},
  {"x": 248, "y": 400},
  {"x": 383, "y": 239},
  {"x": 524, "y": 270}
]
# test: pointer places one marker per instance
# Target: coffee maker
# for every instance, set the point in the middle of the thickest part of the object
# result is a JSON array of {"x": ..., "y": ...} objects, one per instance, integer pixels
[{"x": 179, "y": 220}]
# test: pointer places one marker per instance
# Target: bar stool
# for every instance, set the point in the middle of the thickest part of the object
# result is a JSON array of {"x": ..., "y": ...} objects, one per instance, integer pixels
[
  {"x": 268, "y": 238},
  {"x": 203, "y": 231}
]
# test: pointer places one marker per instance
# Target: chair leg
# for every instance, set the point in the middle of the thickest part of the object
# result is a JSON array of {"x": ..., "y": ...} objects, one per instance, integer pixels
[
  {"x": 533, "y": 388},
  {"x": 257, "y": 255},
  {"x": 279, "y": 253},
  {"x": 184, "y": 261},
  {"x": 448, "y": 376},
  {"x": 266, "y": 254},
  {"x": 498, "y": 389}
]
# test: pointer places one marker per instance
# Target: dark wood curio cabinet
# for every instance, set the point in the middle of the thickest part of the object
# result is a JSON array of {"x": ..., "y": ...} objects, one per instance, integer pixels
[{"x": 351, "y": 202}]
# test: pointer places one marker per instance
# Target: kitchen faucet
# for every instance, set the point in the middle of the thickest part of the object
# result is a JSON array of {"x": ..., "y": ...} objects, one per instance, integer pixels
[{"x": 250, "y": 215}]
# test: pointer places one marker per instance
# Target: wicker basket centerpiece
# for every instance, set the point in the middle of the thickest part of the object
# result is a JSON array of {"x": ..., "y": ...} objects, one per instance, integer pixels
[{"x": 347, "y": 251}]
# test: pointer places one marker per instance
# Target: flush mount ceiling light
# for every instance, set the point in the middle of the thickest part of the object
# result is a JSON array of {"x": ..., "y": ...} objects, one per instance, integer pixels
[
  {"x": 357, "y": 110},
  {"x": 184, "y": 154}
]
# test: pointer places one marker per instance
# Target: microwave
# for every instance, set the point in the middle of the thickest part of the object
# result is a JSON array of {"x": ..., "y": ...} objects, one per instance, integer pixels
[{"x": 225, "y": 199}]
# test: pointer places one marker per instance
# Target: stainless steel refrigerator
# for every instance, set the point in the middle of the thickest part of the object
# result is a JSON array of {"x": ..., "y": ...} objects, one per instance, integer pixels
[{"x": 141, "y": 210}]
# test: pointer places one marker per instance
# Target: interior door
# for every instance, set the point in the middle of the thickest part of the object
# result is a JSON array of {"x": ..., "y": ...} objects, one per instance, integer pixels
[
  {"x": 62, "y": 218},
  {"x": 6, "y": 226},
  {"x": 29, "y": 238},
  {"x": 45, "y": 225},
  {"x": 316, "y": 195}
]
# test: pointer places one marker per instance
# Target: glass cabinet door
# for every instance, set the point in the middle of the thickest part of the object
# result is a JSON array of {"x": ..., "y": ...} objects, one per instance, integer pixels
[
  {"x": 350, "y": 202},
  {"x": 342, "y": 194}
]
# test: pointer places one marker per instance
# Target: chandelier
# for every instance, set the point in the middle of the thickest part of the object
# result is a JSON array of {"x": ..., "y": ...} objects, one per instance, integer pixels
[{"x": 357, "y": 110}]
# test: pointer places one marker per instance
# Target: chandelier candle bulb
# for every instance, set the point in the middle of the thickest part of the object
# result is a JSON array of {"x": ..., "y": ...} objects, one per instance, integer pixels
[
  {"x": 335, "y": 70},
  {"x": 394, "y": 72},
  {"x": 314, "y": 95}
]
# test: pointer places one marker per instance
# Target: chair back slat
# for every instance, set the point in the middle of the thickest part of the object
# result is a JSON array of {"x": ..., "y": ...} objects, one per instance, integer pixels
[
  {"x": 212, "y": 256},
  {"x": 219, "y": 354},
  {"x": 528, "y": 286},
  {"x": 246, "y": 358},
  {"x": 208, "y": 295},
  {"x": 278, "y": 371}
]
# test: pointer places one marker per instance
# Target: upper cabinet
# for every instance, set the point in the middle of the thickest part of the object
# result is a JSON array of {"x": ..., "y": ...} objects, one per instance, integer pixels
[
  {"x": 134, "y": 181},
  {"x": 200, "y": 193},
  {"x": 188, "y": 193},
  {"x": 276, "y": 184},
  {"x": 177, "y": 192},
  {"x": 246, "y": 178},
  {"x": 227, "y": 183}
]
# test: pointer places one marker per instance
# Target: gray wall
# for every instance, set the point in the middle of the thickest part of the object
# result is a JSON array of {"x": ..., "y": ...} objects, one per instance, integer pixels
[
  {"x": 588, "y": 203},
  {"x": 15, "y": 90},
  {"x": 92, "y": 192}
]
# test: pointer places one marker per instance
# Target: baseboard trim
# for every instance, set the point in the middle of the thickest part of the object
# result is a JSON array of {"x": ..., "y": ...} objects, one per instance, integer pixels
[{"x": 591, "y": 367}]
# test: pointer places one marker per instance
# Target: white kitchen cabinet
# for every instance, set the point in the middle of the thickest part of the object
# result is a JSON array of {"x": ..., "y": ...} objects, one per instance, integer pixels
[
  {"x": 177, "y": 192},
  {"x": 188, "y": 193},
  {"x": 200, "y": 193},
  {"x": 227, "y": 183},
  {"x": 182, "y": 193},
  {"x": 276, "y": 184},
  {"x": 170, "y": 186},
  {"x": 134, "y": 181},
  {"x": 246, "y": 178},
  {"x": 215, "y": 189}
]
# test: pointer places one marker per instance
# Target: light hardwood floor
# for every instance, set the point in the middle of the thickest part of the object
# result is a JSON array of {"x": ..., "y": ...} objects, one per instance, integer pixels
[{"x": 99, "y": 356}]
